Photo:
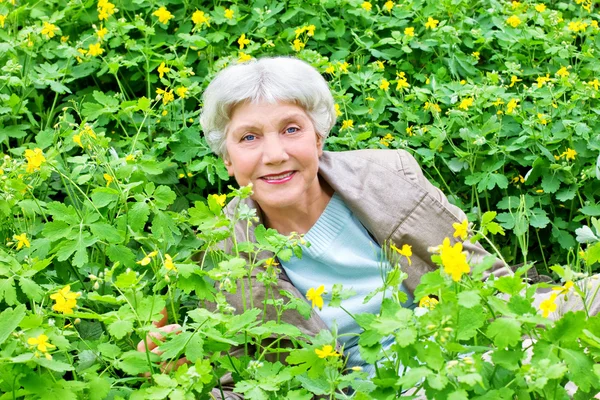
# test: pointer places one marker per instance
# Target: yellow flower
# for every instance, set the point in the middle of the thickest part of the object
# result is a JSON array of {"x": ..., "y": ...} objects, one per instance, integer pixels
[
  {"x": 367, "y": 6},
  {"x": 181, "y": 91},
  {"x": 540, "y": 8},
  {"x": 343, "y": 66},
  {"x": 432, "y": 106},
  {"x": 386, "y": 140},
  {"x": 595, "y": 83},
  {"x": 22, "y": 241},
  {"x": 570, "y": 154},
  {"x": 167, "y": 95},
  {"x": 549, "y": 305},
  {"x": 129, "y": 157},
  {"x": 49, "y": 29},
  {"x": 35, "y": 158},
  {"x": 466, "y": 103},
  {"x": 220, "y": 199},
  {"x": 428, "y": 302},
  {"x": 327, "y": 351},
  {"x": 515, "y": 4},
  {"x": 512, "y": 104},
  {"x": 475, "y": 54},
  {"x": 401, "y": 83},
  {"x": 65, "y": 300},
  {"x": 541, "y": 80},
  {"x": 461, "y": 230},
  {"x": 77, "y": 139},
  {"x": 298, "y": 45},
  {"x": 299, "y": 31},
  {"x": 315, "y": 296},
  {"x": 243, "y": 41},
  {"x": 562, "y": 72},
  {"x": 338, "y": 112},
  {"x": 409, "y": 130},
  {"x": 542, "y": 118},
  {"x": 380, "y": 64},
  {"x": 565, "y": 288},
  {"x": 388, "y": 6},
  {"x": 243, "y": 57},
  {"x": 95, "y": 50},
  {"x": 385, "y": 84},
  {"x": 199, "y": 18},
  {"x": 2, "y": 20},
  {"x": 163, "y": 15},
  {"x": 330, "y": 69},
  {"x": 454, "y": 260},
  {"x": 513, "y": 80},
  {"x": 105, "y": 9},
  {"x": 162, "y": 69},
  {"x": 169, "y": 265},
  {"x": 41, "y": 342},
  {"x": 405, "y": 251},
  {"x": 513, "y": 21},
  {"x": 101, "y": 33},
  {"x": 577, "y": 26},
  {"x": 431, "y": 23},
  {"x": 310, "y": 30},
  {"x": 410, "y": 31},
  {"x": 109, "y": 179},
  {"x": 347, "y": 124},
  {"x": 229, "y": 13},
  {"x": 270, "y": 262}
]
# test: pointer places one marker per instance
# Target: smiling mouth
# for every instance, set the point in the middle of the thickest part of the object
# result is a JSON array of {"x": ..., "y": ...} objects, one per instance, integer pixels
[{"x": 279, "y": 178}]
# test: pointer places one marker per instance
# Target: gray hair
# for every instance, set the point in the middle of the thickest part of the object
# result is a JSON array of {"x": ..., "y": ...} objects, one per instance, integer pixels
[{"x": 271, "y": 80}]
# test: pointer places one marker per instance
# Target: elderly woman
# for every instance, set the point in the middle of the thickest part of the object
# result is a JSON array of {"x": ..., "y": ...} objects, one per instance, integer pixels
[{"x": 268, "y": 119}]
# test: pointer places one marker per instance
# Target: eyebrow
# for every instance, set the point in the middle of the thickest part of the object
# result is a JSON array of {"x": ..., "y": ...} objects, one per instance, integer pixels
[{"x": 286, "y": 118}]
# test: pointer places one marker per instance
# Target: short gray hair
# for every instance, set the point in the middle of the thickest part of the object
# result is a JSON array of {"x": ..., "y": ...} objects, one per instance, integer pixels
[{"x": 271, "y": 80}]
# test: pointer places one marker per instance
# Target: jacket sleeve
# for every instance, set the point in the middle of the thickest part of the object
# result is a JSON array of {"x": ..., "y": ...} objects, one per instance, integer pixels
[{"x": 476, "y": 252}]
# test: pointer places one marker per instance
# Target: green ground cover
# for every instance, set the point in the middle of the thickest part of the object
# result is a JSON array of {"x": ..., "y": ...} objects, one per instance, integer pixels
[{"x": 108, "y": 192}]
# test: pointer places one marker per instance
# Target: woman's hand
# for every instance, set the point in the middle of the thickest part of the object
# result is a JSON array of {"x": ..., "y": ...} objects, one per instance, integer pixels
[{"x": 159, "y": 336}]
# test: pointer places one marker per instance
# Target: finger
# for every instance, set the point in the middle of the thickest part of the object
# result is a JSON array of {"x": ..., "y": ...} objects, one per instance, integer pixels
[
  {"x": 157, "y": 336},
  {"x": 164, "y": 320},
  {"x": 173, "y": 365}
]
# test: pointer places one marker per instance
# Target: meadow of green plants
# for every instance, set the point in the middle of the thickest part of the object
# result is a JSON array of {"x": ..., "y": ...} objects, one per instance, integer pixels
[{"x": 111, "y": 203}]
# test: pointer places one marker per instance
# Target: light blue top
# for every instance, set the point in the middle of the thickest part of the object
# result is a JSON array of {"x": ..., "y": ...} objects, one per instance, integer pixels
[{"x": 342, "y": 251}]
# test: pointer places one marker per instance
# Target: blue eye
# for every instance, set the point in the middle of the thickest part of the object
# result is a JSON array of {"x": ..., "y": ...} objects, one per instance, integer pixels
[
  {"x": 291, "y": 129},
  {"x": 248, "y": 138}
]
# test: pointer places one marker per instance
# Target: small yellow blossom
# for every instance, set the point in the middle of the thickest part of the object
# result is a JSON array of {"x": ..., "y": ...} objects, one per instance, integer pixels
[
  {"x": 518, "y": 179},
  {"x": 169, "y": 265},
  {"x": 101, "y": 33},
  {"x": 330, "y": 69},
  {"x": 565, "y": 288},
  {"x": 461, "y": 230},
  {"x": 431, "y": 23},
  {"x": 541, "y": 80},
  {"x": 402, "y": 82},
  {"x": 576, "y": 26},
  {"x": 540, "y": 8},
  {"x": 347, "y": 124},
  {"x": 49, "y": 30},
  {"x": 385, "y": 84},
  {"x": 181, "y": 91},
  {"x": 562, "y": 72},
  {"x": 129, "y": 157},
  {"x": 95, "y": 50},
  {"x": 109, "y": 179},
  {"x": 167, "y": 95},
  {"x": 220, "y": 199},
  {"x": 2, "y": 20},
  {"x": 388, "y": 6},
  {"x": 105, "y": 9},
  {"x": 475, "y": 54},
  {"x": 343, "y": 66},
  {"x": 540, "y": 191},
  {"x": 410, "y": 31},
  {"x": 35, "y": 158},
  {"x": 515, "y": 4},
  {"x": 595, "y": 83},
  {"x": 64, "y": 39},
  {"x": 243, "y": 57},
  {"x": 466, "y": 103},
  {"x": 367, "y": 5},
  {"x": 41, "y": 343},
  {"x": 163, "y": 15},
  {"x": 162, "y": 69},
  {"x": 549, "y": 305},
  {"x": 569, "y": 154},
  {"x": 315, "y": 296},
  {"x": 513, "y": 21},
  {"x": 428, "y": 302},
  {"x": 65, "y": 300},
  {"x": 512, "y": 104},
  {"x": 77, "y": 139},
  {"x": 310, "y": 30},
  {"x": 432, "y": 106},
  {"x": 298, "y": 45},
  {"x": 199, "y": 18},
  {"x": 405, "y": 251},
  {"x": 380, "y": 64},
  {"x": 409, "y": 130},
  {"x": 542, "y": 118},
  {"x": 514, "y": 79},
  {"x": 243, "y": 41},
  {"x": 327, "y": 351},
  {"x": 229, "y": 13},
  {"x": 454, "y": 259},
  {"x": 386, "y": 140},
  {"x": 164, "y": 113},
  {"x": 21, "y": 241}
]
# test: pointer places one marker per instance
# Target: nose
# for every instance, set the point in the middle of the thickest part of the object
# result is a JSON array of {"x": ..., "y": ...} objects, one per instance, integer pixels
[{"x": 274, "y": 151}]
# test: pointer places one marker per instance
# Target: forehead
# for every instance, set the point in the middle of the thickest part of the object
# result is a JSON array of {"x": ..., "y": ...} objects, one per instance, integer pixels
[{"x": 263, "y": 113}]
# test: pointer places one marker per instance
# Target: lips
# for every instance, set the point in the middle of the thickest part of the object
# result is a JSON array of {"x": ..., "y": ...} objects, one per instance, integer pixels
[{"x": 278, "y": 178}]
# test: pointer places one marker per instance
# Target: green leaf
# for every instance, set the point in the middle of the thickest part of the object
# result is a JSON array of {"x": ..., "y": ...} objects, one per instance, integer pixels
[
  {"x": 104, "y": 196},
  {"x": 7, "y": 291},
  {"x": 98, "y": 388},
  {"x": 120, "y": 328},
  {"x": 31, "y": 289},
  {"x": 164, "y": 227},
  {"x": 509, "y": 284},
  {"x": 591, "y": 210},
  {"x": 163, "y": 197},
  {"x": 469, "y": 299},
  {"x": 53, "y": 364},
  {"x": 579, "y": 368},
  {"x": 550, "y": 183},
  {"x": 508, "y": 359},
  {"x": 150, "y": 307},
  {"x": 137, "y": 216},
  {"x": 107, "y": 232},
  {"x": 122, "y": 254},
  {"x": 505, "y": 332},
  {"x": 11, "y": 318},
  {"x": 469, "y": 321},
  {"x": 56, "y": 230},
  {"x": 134, "y": 362},
  {"x": 191, "y": 145}
]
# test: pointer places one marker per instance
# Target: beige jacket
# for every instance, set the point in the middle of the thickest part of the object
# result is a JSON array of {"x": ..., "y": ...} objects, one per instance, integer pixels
[{"x": 389, "y": 194}]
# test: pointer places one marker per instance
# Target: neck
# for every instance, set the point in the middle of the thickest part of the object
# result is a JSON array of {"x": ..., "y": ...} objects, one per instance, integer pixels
[{"x": 301, "y": 216}]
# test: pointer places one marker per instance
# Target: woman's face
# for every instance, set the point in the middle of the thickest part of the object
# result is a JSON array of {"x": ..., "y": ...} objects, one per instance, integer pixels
[{"x": 274, "y": 147}]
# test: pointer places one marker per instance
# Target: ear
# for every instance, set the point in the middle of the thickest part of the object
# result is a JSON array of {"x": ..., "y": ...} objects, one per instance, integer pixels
[
  {"x": 228, "y": 165},
  {"x": 320, "y": 143}
]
